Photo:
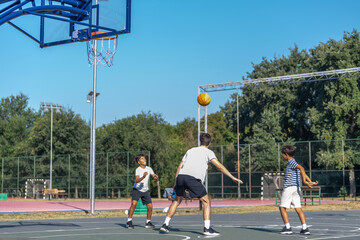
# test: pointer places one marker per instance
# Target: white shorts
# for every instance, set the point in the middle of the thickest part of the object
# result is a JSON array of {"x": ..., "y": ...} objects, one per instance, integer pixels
[{"x": 290, "y": 197}]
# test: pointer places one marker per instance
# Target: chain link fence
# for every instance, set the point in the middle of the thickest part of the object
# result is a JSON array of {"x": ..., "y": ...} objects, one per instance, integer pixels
[
  {"x": 114, "y": 173},
  {"x": 335, "y": 164}
]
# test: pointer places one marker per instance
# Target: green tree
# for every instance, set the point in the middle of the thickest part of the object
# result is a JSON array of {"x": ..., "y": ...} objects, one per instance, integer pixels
[
  {"x": 187, "y": 131},
  {"x": 220, "y": 134},
  {"x": 335, "y": 113},
  {"x": 323, "y": 110},
  {"x": 145, "y": 131},
  {"x": 70, "y": 136},
  {"x": 16, "y": 121},
  {"x": 264, "y": 142}
]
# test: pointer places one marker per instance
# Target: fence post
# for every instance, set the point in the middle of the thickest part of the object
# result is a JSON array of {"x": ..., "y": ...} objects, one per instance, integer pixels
[
  {"x": 107, "y": 174},
  {"x": 222, "y": 175},
  {"x": 355, "y": 187},
  {"x": 149, "y": 165},
  {"x": 34, "y": 166},
  {"x": 238, "y": 141},
  {"x": 18, "y": 176},
  {"x": 343, "y": 163},
  {"x": 2, "y": 175},
  {"x": 279, "y": 158},
  {"x": 127, "y": 175},
  {"x": 69, "y": 175},
  {"x": 250, "y": 171},
  {"x": 310, "y": 159},
  {"x": 88, "y": 175}
]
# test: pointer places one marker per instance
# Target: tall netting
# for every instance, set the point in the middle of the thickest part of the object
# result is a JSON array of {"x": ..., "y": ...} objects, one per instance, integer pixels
[
  {"x": 335, "y": 164},
  {"x": 115, "y": 174}
]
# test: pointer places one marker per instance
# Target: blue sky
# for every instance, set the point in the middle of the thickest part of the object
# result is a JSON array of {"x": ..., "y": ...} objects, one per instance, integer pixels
[{"x": 174, "y": 46}]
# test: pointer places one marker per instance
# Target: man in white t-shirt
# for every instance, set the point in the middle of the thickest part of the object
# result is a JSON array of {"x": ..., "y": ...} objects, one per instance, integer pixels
[
  {"x": 190, "y": 176},
  {"x": 141, "y": 190}
]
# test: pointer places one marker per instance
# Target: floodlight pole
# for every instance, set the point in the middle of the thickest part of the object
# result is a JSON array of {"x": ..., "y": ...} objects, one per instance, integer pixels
[
  {"x": 46, "y": 108},
  {"x": 89, "y": 99},
  {"x": 93, "y": 136},
  {"x": 51, "y": 146},
  {"x": 238, "y": 142},
  {"x": 93, "y": 133}
]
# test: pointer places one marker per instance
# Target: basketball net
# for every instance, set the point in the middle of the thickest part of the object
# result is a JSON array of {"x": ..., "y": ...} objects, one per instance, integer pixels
[{"x": 104, "y": 51}]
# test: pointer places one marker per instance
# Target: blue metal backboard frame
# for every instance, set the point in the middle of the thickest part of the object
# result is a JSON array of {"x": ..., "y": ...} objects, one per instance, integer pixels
[{"x": 74, "y": 13}]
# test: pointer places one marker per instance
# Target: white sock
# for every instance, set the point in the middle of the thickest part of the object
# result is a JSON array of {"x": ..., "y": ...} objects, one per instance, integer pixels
[
  {"x": 287, "y": 225},
  {"x": 147, "y": 221},
  {"x": 207, "y": 223},
  {"x": 167, "y": 221},
  {"x": 129, "y": 219},
  {"x": 304, "y": 226}
]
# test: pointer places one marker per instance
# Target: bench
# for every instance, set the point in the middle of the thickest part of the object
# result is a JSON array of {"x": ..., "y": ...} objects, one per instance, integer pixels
[
  {"x": 311, "y": 193},
  {"x": 55, "y": 192},
  {"x": 307, "y": 193}
]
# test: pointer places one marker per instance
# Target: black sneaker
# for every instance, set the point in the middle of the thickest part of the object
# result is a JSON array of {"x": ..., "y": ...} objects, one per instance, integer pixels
[
  {"x": 210, "y": 232},
  {"x": 130, "y": 225},
  {"x": 286, "y": 231},
  {"x": 149, "y": 225},
  {"x": 305, "y": 231},
  {"x": 164, "y": 228}
]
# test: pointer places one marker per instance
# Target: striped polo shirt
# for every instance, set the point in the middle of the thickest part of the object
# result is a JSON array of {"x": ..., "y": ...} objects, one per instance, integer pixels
[{"x": 292, "y": 174}]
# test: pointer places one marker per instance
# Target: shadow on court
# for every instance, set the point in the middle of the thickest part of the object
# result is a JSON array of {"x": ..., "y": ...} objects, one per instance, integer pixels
[
  {"x": 71, "y": 206},
  {"x": 36, "y": 225}
]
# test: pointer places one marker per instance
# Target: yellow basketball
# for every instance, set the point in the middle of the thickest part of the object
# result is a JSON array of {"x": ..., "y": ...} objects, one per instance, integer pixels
[{"x": 204, "y": 99}]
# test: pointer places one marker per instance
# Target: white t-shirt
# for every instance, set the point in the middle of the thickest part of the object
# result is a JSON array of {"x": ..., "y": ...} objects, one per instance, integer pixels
[
  {"x": 143, "y": 185},
  {"x": 195, "y": 162}
]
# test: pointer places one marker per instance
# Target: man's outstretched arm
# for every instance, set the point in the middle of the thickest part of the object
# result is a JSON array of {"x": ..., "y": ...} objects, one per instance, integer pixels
[{"x": 223, "y": 169}]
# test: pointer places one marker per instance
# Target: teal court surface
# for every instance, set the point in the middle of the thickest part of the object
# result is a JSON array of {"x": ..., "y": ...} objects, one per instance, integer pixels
[{"x": 323, "y": 225}]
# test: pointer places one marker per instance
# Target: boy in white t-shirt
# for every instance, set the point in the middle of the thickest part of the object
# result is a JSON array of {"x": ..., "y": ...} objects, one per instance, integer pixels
[
  {"x": 141, "y": 190},
  {"x": 190, "y": 176}
]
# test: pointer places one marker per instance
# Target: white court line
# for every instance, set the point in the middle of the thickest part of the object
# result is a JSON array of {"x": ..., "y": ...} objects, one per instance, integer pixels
[
  {"x": 335, "y": 237},
  {"x": 100, "y": 234}
]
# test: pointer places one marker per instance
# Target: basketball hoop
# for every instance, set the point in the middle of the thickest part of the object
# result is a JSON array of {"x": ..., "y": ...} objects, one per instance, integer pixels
[{"x": 104, "y": 49}]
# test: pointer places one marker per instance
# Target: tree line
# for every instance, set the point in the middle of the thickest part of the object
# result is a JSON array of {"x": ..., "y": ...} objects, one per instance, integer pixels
[{"x": 324, "y": 110}]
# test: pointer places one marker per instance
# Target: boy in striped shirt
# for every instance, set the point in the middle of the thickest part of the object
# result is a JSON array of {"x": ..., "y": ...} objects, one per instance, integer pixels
[{"x": 290, "y": 197}]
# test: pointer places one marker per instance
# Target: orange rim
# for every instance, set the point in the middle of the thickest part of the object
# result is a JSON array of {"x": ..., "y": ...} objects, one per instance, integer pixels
[{"x": 103, "y": 38}]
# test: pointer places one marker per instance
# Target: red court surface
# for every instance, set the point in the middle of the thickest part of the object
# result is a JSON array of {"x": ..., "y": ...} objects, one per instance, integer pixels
[{"x": 23, "y": 206}]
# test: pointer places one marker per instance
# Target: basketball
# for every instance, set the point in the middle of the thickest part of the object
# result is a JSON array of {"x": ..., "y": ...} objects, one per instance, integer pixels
[{"x": 204, "y": 99}]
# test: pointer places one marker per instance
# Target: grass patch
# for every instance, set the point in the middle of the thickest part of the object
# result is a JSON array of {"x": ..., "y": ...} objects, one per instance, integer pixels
[{"x": 183, "y": 211}]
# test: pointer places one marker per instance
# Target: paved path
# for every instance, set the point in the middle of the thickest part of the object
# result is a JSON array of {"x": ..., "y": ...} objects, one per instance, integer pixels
[{"x": 22, "y": 206}]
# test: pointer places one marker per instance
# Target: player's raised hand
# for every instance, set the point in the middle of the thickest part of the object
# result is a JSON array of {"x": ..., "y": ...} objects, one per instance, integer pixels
[
  {"x": 310, "y": 183},
  {"x": 155, "y": 177},
  {"x": 314, "y": 183},
  {"x": 238, "y": 181}
]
